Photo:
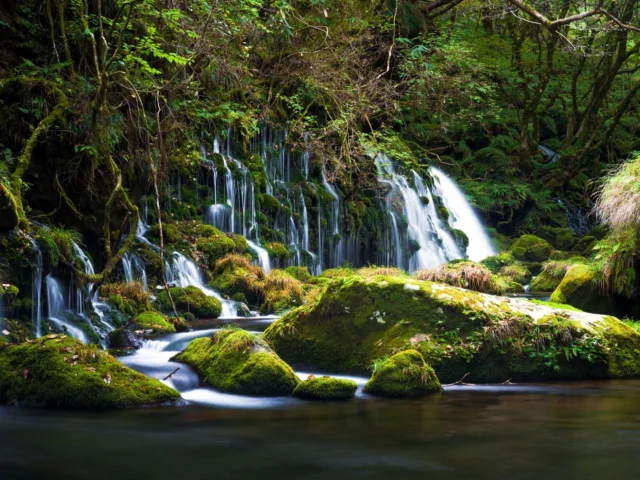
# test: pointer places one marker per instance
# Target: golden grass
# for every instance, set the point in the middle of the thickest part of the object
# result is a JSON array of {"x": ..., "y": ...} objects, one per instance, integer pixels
[
  {"x": 465, "y": 275},
  {"x": 128, "y": 291}
]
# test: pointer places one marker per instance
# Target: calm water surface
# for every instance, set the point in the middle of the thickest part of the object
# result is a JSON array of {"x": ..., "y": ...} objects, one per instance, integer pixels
[{"x": 586, "y": 430}]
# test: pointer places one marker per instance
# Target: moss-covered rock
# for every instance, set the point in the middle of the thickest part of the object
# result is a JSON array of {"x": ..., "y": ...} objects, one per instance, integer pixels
[
  {"x": 579, "y": 288},
  {"x": 236, "y": 361},
  {"x": 59, "y": 371},
  {"x": 299, "y": 273},
  {"x": 531, "y": 248},
  {"x": 495, "y": 263},
  {"x": 405, "y": 374},
  {"x": 357, "y": 320},
  {"x": 154, "y": 321},
  {"x": 516, "y": 273},
  {"x": 234, "y": 275},
  {"x": 326, "y": 388},
  {"x": 561, "y": 238},
  {"x": 190, "y": 299}
]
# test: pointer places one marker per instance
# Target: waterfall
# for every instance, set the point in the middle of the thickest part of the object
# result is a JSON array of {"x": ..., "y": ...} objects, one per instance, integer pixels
[
  {"x": 134, "y": 269},
  {"x": 184, "y": 273},
  {"x": 36, "y": 291},
  {"x": 57, "y": 309},
  {"x": 434, "y": 244},
  {"x": 335, "y": 245},
  {"x": 462, "y": 216},
  {"x": 263, "y": 256}
]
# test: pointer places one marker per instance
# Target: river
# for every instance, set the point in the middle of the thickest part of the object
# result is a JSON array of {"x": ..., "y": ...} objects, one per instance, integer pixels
[{"x": 534, "y": 431}]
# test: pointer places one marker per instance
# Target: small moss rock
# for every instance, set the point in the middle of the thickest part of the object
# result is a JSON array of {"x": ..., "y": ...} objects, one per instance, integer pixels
[
  {"x": 326, "y": 388},
  {"x": 59, "y": 371},
  {"x": 190, "y": 299},
  {"x": 580, "y": 289},
  {"x": 153, "y": 321},
  {"x": 236, "y": 361},
  {"x": 531, "y": 248},
  {"x": 405, "y": 374}
]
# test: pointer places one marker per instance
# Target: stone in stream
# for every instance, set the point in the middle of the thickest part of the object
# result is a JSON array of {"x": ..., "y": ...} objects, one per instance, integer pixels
[
  {"x": 405, "y": 374},
  {"x": 190, "y": 299},
  {"x": 236, "y": 361},
  {"x": 59, "y": 371},
  {"x": 358, "y": 320},
  {"x": 325, "y": 388}
]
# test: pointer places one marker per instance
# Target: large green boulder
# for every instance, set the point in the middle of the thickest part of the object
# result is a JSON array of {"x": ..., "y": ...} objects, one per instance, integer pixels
[
  {"x": 579, "y": 288},
  {"x": 405, "y": 374},
  {"x": 530, "y": 248},
  {"x": 190, "y": 300},
  {"x": 59, "y": 371},
  {"x": 154, "y": 321},
  {"x": 236, "y": 361},
  {"x": 326, "y": 388},
  {"x": 357, "y": 320}
]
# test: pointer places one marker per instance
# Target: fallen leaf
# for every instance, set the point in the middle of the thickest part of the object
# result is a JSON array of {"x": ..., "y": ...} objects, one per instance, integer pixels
[
  {"x": 25, "y": 373},
  {"x": 75, "y": 357},
  {"x": 107, "y": 379},
  {"x": 53, "y": 335}
]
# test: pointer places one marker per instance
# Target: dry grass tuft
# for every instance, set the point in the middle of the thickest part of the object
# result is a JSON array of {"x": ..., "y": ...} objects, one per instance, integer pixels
[
  {"x": 464, "y": 274},
  {"x": 618, "y": 204},
  {"x": 373, "y": 271},
  {"x": 129, "y": 291}
]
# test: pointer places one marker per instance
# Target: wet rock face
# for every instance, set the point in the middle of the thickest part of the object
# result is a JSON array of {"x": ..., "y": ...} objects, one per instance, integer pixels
[{"x": 125, "y": 338}]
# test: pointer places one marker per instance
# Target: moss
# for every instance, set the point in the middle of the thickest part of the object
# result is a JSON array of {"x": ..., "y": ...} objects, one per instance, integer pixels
[
  {"x": 190, "y": 299},
  {"x": 280, "y": 291},
  {"x": 585, "y": 246},
  {"x": 357, "y": 320},
  {"x": 326, "y": 388},
  {"x": 278, "y": 251},
  {"x": 215, "y": 246},
  {"x": 339, "y": 272},
  {"x": 235, "y": 275},
  {"x": 154, "y": 321},
  {"x": 561, "y": 306},
  {"x": 516, "y": 273},
  {"x": 531, "y": 248},
  {"x": 299, "y": 273},
  {"x": 117, "y": 302},
  {"x": 443, "y": 213},
  {"x": 497, "y": 262},
  {"x": 58, "y": 371},
  {"x": 461, "y": 239},
  {"x": 9, "y": 292},
  {"x": 405, "y": 374},
  {"x": 580, "y": 289},
  {"x": 170, "y": 233},
  {"x": 561, "y": 238},
  {"x": 236, "y": 361}
]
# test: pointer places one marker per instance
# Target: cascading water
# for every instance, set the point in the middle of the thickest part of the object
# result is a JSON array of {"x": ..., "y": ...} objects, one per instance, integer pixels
[
  {"x": 134, "y": 269},
  {"x": 413, "y": 236},
  {"x": 462, "y": 216},
  {"x": 429, "y": 243},
  {"x": 36, "y": 291},
  {"x": 57, "y": 308},
  {"x": 184, "y": 273}
]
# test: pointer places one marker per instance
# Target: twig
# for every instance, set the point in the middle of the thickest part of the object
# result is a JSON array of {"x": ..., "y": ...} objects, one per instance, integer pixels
[
  {"x": 171, "y": 374},
  {"x": 460, "y": 382}
]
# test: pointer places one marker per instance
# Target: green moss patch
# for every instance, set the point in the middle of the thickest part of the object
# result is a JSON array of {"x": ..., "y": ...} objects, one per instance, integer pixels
[
  {"x": 154, "y": 321},
  {"x": 531, "y": 248},
  {"x": 190, "y": 299},
  {"x": 59, "y": 371},
  {"x": 236, "y": 361},
  {"x": 326, "y": 388},
  {"x": 405, "y": 374}
]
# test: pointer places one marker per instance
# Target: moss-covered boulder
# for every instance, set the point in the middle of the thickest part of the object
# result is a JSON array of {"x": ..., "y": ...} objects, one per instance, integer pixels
[
  {"x": 405, "y": 374},
  {"x": 234, "y": 274},
  {"x": 326, "y": 388},
  {"x": 495, "y": 263},
  {"x": 516, "y": 273},
  {"x": 236, "y": 361},
  {"x": 553, "y": 272},
  {"x": 357, "y": 320},
  {"x": 561, "y": 238},
  {"x": 280, "y": 291},
  {"x": 190, "y": 299},
  {"x": 59, "y": 371},
  {"x": 531, "y": 248},
  {"x": 579, "y": 288},
  {"x": 154, "y": 321}
]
